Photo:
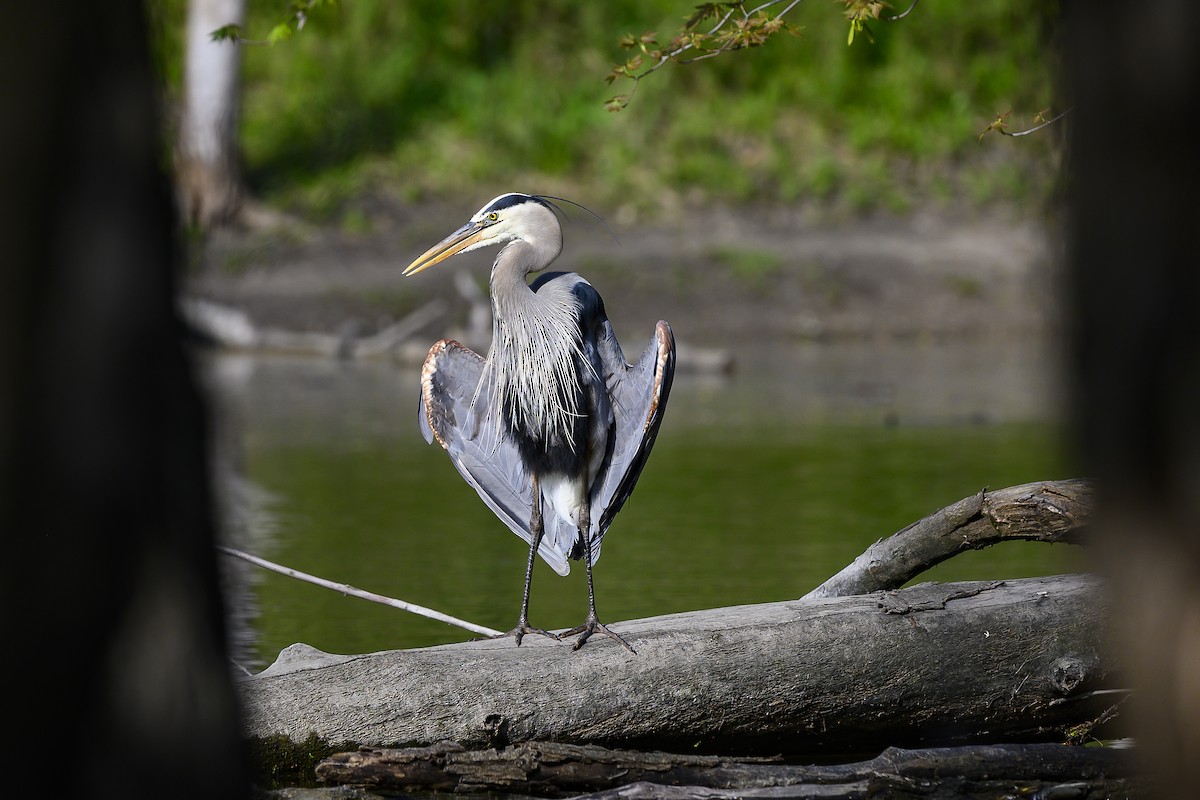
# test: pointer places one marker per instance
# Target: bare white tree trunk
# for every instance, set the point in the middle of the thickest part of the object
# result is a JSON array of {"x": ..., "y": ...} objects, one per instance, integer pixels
[{"x": 207, "y": 175}]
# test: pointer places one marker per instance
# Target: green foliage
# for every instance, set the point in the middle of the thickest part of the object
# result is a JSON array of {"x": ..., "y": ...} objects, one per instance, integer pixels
[
  {"x": 280, "y": 32},
  {"x": 859, "y": 12},
  {"x": 227, "y": 33},
  {"x": 458, "y": 98},
  {"x": 733, "y": 27}
]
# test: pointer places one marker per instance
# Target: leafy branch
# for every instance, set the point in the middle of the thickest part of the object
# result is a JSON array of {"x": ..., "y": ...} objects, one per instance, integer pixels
[
  {"x": 860, "y": 12},
  {"x": 734, "y": 26},
  {"x": 280, "y": 33},
  {"x": 1000, "y": 123}
]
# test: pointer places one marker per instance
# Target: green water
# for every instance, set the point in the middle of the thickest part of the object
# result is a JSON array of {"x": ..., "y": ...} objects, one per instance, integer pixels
[{"x": 761, "y": 485}]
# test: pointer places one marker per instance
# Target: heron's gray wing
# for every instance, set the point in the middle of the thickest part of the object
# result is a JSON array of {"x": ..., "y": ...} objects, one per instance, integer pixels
[
  {"x": 639, "y": 395},
  {"x": 460, "y": 421}
]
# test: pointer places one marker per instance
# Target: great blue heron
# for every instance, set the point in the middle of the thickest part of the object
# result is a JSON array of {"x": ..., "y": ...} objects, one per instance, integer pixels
[{"x": 554, "y": 417}]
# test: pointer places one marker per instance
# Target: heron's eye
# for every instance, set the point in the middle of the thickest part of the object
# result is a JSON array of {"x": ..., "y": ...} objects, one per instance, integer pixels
[{"x": 492, "y": 217}]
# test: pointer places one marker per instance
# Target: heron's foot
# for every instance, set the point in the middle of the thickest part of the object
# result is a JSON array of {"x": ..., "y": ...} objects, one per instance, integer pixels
[
  {"x": 523, "y": 628},
  {"x": 590, "y": 627}
]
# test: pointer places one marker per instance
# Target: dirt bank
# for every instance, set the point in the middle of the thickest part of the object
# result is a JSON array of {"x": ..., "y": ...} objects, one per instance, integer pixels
[{"x": 721, "y": 277}]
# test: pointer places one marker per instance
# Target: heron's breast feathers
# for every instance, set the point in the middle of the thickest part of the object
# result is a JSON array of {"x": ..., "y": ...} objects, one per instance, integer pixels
[{"x": 534, "y": 364}]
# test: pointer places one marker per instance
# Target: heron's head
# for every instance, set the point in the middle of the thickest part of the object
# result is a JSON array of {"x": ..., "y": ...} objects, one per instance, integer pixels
[{"x": 508, "y": 217}]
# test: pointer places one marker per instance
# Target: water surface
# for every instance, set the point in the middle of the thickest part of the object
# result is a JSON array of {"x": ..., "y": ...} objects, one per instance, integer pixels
[{"x": 762, "y": 484}]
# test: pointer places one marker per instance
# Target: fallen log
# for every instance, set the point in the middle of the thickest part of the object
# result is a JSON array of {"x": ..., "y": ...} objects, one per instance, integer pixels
[
  {"x": 934, "y": 664},
  {"x": 554, "y": 769}
]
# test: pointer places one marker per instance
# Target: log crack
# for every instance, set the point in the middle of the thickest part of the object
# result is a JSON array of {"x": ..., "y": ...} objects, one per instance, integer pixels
[{"x": 928, "y": 597}]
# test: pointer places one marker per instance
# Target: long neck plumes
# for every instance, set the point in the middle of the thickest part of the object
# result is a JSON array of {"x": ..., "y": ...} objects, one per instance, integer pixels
[{"x": 535, "y": 344}]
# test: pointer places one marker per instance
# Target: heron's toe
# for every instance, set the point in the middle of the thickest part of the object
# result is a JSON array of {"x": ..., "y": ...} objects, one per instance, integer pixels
[
  {"x": 593, "y": 626},
  {"x": 524, "y": 628}
]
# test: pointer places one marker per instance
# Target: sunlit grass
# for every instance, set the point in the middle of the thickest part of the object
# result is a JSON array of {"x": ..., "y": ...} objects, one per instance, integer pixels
[{"x": 434, "y": 97}]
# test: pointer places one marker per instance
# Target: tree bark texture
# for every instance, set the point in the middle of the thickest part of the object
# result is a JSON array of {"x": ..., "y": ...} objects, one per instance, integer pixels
[
  {"x": 1046, "y": 511},
  {"x": 206, "y": 165},
  {"x": 934, "y": 664},
  {"x": 552, "y": 769}
]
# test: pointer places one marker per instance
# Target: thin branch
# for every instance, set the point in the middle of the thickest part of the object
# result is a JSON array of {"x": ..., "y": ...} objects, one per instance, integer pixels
[
  {"x": 1028, "y": 131},
  {"x": 768, "y": 4},
  {"x": 903, "y": 13},
  {"x": 345, "y": 588},
  {"x": 725, "y": 19},
  {"x": 1000, "y": 124}
]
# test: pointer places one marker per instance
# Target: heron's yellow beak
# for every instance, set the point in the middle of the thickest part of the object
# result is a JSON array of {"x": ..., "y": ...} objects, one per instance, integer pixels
[{"x": 452, "y": 245}]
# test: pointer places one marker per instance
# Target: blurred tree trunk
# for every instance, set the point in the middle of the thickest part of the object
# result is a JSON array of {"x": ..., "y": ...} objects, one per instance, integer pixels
[
  {"x": 113, "y": 616},
  {"x": 207, "y": 176},
  {"x": 1133, "y": 75}
]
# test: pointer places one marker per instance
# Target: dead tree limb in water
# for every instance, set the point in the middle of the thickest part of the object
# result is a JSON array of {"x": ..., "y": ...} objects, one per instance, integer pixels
[
  {"x": 936, "y": 664},
  {"x": 1047, "y": 511},
  {"x": 551, "y": 769}
]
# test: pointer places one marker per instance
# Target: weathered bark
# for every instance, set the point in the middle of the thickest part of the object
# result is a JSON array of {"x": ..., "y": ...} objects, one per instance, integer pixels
[
  {"x": 207, "y": 177},
  {"x": 934, "y": 664},
  {"x": 1047, "y": 511},
  {"x": 551, "y": 769}
]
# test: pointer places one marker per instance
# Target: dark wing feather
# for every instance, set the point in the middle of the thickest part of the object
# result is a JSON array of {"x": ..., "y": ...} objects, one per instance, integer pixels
[
  {"x": 639, "y": 395},
  {"x": 488, "y": 461}
]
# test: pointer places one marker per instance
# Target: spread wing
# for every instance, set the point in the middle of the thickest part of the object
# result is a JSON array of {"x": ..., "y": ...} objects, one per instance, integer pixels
[
  {"x": 487, "y": 459},
  {"x": 639, "y": 395}
]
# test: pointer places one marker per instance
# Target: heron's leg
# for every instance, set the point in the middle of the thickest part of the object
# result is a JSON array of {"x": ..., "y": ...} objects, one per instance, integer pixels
[
  {"x": 536, "y": 530},
  {"x": 593, "y": 624}
]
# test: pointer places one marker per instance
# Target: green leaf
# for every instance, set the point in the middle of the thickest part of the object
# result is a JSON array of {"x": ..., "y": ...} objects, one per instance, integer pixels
[
  {"x": 702, "y": 12},
  {"x": 617, "y": 103},
  {"x": 226, "y": 33},
  {"x": 280, "y": 33}
]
